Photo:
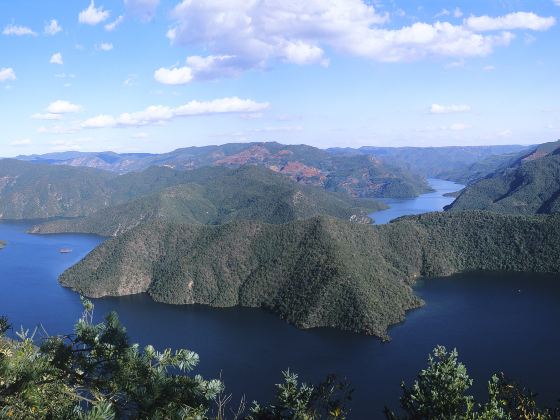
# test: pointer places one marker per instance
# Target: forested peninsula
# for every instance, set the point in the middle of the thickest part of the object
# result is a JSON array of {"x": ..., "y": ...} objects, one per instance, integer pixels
[{"x": 319, "y": 272}]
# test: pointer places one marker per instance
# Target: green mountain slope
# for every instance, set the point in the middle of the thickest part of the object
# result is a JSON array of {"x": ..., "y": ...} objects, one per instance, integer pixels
[
  {"x": 316, "y": 272},
  {"x": 41, "y": 191},
  {"x": 216, "y": 195},
  {"x": 531, "y": 185},
  {"x": 35, "y": 191},
  {"x": 365, "y": 177},
  {"x": 455, "y": 163}
]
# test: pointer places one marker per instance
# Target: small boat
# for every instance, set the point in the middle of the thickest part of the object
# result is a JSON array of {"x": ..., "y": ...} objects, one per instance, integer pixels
[{"x": 65, "y": 250}]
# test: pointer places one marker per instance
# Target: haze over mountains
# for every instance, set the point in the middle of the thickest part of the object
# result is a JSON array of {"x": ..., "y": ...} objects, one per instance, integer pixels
[{"x": 361, "y": 176}]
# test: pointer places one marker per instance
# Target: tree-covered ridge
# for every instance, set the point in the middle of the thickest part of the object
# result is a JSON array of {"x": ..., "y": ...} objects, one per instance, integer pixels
[
  {"x": 531, "y": 185},
  {"x": 363, "y": 177},
  {"x": 217, "y": 196},
  {"x": 33, "y": 191},
  {"x": 454, "y": 163},
  {"x": 316, "y": 272}
]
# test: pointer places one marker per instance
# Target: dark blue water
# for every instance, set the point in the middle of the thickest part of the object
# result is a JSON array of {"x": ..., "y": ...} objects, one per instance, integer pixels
[
  {"x": 497, "y": 321},
  {"x": 432, "y": 201}
]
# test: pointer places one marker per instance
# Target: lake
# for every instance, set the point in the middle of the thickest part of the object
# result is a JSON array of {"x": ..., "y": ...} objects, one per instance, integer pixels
[
  {"x": 432, "y": 201},
  {"x": 497, "y": 321}
]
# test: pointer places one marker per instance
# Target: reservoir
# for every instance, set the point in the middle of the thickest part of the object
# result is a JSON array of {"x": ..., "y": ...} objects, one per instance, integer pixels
[{"x": 497, "y": 322}]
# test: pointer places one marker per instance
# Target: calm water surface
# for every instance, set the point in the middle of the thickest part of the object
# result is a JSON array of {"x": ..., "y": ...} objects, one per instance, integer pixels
[
  {"x": 433, "y": 201},
  {"x": 497, "y": 321}
]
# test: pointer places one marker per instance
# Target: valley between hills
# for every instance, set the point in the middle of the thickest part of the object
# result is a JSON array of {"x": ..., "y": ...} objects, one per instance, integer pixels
[{"x": 235, "y": 225}]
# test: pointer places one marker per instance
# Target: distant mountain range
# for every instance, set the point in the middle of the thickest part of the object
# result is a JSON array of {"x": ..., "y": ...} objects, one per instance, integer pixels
[
  {"x": 454, "y": 163},
  {"x": 216, "y": 195},
  {"x": 359, "y": 175},
  {"x": 529, "y": 184},
  {"x": 271, "y": 226}
]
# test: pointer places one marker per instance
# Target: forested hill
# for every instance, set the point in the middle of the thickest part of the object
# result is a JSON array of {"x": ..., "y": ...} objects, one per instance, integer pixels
[
  {"x": 35, "y": 191},
  {"x": 530, "y": 185},
  {"x": 41, "y": 191},
  {"x": 219, "y": 195},
  {"x": 316, "y": 272},
  {"x": 361, "y": 176},
  {"x": 455, "y": 163}
]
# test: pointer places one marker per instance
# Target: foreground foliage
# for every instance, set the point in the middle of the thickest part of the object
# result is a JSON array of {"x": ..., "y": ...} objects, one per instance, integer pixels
[
  {"x": 96, "y": 374},
  {"x": 440, "y": 392}
]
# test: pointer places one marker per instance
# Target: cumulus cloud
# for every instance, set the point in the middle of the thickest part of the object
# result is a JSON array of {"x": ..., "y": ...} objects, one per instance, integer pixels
[
  {"x": 7, "y": 74},
  {"x": 56, "y": 58},
  {"x": 114, "y": 24},
  {"x": 448, "y": 109},
  {"x": 252, "y": 34},
  {"x": 511, "y": 21},
  {"x": 63, "y": 107},
  {"x": 17, "y": 30},
  {"x": 173, "y": 76},
  {"x": 52, "y": 27},
  {"x": 104, "y": 46},
  {"x": 158, "y": 114},
  {"x": 144, "y": 10},
  {"x": 93, "y": 15}
]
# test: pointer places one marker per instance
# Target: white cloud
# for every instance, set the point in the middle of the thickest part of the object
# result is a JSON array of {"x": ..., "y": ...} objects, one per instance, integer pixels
[
  {"x": 556, "y": 2},
  {"x": 47, "y": 117},
  {"x": 19, "y": 143},
  {"x": 253, "y": 34},
  {"x": 56, "y": 58},
  {"x": 52, "y": 28},
  {"x": 93, "y": 15},
  {"x": 490, "y": 67},
  {"x": 173, "y": 76},
  {"x": 7, "y": 74},
  {"x": 456, "y": 64},
  {"x": 443, "y": 12},
  {"x": 158, "y": 114},
  {"x": 459, "y": 127},
  {"x": 18, "y": 30},
  {"x": 64, "y": 76},
  {"x": 63, "y": 107},
  {"x": 511, "y": 21},
  {"x": 302, "y": 53},
  {"x": 100, "y": 121},
  {"x": 448, "y": 109},
  {"x": 144, "y": 10},
  {"x": 104, "y": 46},
  {"x": 129, "y": 81},
  {"x": 114, "y": 24},
  {"x": 59, "y": 129}
]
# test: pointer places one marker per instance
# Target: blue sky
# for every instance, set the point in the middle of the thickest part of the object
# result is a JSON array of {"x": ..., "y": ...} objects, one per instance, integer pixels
[{"x": 149, "y": 75}]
